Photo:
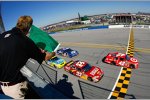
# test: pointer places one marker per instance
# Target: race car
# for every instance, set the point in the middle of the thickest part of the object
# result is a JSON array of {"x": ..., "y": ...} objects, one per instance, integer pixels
[
  {"x": 56, "y": 62},
  {"x": 67, "y": 52},
  {"x": 84, "y": 70},
  {"x": 121, "y": 59}
]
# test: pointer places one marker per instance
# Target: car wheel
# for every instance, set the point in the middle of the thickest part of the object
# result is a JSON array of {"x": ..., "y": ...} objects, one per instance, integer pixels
[
  {"x": 113, "y": 63},
  {"x": 132, "y": 66},
  {"x": 55, "y": 66},
  {"x": 67, "y": 70},
  {"x": 70, "y": 72},
  {"x": 103, "y": 60},
  {"x": 90, "y": 79},
  {"x": 65, "y": 54}
]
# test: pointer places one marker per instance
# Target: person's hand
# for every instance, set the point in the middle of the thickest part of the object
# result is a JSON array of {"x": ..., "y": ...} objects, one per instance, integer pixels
[
  {"x": 43, "y": 51},
  {"x": 49, "y": 55}
]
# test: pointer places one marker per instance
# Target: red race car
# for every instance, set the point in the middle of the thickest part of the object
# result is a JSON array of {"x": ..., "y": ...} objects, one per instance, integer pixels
[
  {"x": 121, "y": 59},
  {"x": 84, "y": 70}
]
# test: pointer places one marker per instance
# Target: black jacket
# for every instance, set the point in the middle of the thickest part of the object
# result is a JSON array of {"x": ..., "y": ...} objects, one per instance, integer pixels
[{"x": 15, "y": 50}]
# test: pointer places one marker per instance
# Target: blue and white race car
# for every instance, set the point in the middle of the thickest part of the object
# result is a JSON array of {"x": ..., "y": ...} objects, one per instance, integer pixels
[{"x": 67, "y": 52}]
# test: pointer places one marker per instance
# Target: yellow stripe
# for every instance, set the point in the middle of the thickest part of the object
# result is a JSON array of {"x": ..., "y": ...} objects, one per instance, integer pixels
[
  {"x": 123, "y": 90},
  {"x": 128, "y": 75},
  {"x": 119, "y": 85},
  {"x": 115, "y": 94},
  {"x": 125, "y": 82}
]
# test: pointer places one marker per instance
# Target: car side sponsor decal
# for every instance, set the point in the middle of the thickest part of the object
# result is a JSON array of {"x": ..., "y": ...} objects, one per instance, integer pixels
[
  {"x": 94, "y": 71},
  {"x": 122, "y": 63}
]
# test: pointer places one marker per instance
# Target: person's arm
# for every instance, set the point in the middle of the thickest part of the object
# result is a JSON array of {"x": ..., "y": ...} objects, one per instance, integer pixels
[
  {"x": 36, "y": 53},
  {"x": 49, "y": 55}
]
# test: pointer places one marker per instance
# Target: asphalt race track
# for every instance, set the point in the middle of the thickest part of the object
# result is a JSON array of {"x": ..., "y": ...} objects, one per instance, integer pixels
[{"x": 92, "y": 46}]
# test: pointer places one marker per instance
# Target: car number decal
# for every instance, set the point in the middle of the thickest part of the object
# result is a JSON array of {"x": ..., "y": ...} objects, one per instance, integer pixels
[{"x": 80, "y": 64}]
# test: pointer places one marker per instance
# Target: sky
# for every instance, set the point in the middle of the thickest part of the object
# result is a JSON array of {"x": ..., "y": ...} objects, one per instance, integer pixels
[{"x": 49, "y": 12}]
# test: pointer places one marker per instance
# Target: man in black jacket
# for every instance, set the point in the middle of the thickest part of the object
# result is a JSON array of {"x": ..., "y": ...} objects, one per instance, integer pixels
[{"x": 15, "y": 49}]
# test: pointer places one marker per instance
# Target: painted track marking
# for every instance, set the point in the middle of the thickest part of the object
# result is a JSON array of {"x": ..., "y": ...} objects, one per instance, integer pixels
[{"x": 120, "y": 88}]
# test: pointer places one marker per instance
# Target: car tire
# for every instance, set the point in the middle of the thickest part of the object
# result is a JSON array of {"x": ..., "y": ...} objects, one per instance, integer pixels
[
  {"x": 70, "y": 72},
  {"x": 132, "y": 66},
  {"x": 113, "y": 63},
  {"x": 103, "y": 60},
  {"x": 55, "y": 66},
  {"x": 65, "y": 54},
  {"x": 90, "y": 79}
]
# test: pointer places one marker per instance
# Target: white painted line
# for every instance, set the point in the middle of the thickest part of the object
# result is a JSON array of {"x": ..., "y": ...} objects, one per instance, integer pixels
[
  {"x": 115, "y": 83},
  {"x": 120, "y": 69}
]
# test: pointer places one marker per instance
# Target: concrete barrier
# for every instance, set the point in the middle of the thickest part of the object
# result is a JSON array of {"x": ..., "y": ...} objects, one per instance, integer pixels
[{"x": 116, "y": 26}]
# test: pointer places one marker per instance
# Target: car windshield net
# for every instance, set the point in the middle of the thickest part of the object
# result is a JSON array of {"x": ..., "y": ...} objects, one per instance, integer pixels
[{"x": 87, "y": 67}]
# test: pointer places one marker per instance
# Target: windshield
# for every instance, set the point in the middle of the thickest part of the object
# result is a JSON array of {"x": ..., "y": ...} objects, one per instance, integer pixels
[
  {"x": 87, "y": 67},
  {"x": 127, "y": 57},
  {"x": 114, "y": 55},
  {"x": 67, "y": 50}
]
